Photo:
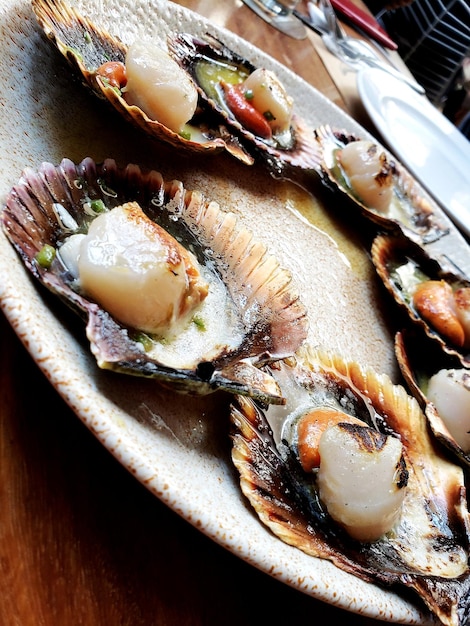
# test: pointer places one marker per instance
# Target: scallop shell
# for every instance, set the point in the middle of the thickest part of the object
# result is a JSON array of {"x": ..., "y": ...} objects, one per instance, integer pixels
[
  {"x": 390, "y": 253},
  {"x": 263, "y": 320},
  {"x": 300, "y": 151},
  {"x": 412, "y": 210},
  {"x": 87, "y": 47},
  {"x": 428, "y": 549},
  {"x": 418, "y": 362}
]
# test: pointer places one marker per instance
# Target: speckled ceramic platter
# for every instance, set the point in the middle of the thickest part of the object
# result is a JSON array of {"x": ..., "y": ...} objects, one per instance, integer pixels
[{"x": 180, "y": 448}]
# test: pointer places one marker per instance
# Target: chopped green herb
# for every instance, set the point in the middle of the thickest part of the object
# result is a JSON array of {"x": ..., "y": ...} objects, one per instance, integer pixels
[
  {"x": 185, "y": 134},
  {"x": 87, "y": 37},
  {"x": 98, "y": 206},
  {"x": 269, "y": 116},
  {"x": 45, "y": 256},
  {"x": 199, "y": 322},
  {"x": 249, "y": 95},
  {"x": 145, "y": 340},
  {"x": 107, "y": 83},
  {"x": 75, "y": 52}
]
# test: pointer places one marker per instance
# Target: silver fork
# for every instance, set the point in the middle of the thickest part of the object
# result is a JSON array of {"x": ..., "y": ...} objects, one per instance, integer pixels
[
  {"x": 355, "y": 52},
  {"x": 351, "y": 47}
]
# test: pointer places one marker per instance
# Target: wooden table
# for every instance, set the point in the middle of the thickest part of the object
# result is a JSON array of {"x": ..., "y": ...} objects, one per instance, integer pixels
[{"x": 81, "y": 541}]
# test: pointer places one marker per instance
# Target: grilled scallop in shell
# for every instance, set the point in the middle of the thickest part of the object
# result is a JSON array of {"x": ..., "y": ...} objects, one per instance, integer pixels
[
  {"x": 435, "y": 299},
  {"x": 140, "y": 81},
  {"x": 394, "y": 509},
  {"x": 377, "y": 185},
  {"x": 252, "y": 100},
  {"x": 170, "y": 285},
  {"x": 442, "y": 387}
]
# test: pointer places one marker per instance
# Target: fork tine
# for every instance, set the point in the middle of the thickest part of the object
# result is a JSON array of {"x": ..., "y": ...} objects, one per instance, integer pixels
[{"x": 332, "y": 20}]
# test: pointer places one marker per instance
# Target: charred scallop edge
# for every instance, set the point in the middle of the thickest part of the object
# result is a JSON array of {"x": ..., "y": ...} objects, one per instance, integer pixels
[
  {"x": 265, "y": 481},
  {"x": 304, "y": 154},
  {"x": 275, "y": 318},
  {"x": 426, "y": 228},
  {"x": 77, "y": 38}
]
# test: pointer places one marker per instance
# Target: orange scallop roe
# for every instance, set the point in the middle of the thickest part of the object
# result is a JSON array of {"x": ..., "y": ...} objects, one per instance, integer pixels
[
  {"x": 434, "y": 301},
  {"x": 311, "y": 427}
]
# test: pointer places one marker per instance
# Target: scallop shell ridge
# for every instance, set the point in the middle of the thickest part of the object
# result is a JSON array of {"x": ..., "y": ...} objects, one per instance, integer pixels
[
  {"x": 266, "y": 304},
  {"x": 418, "y": 220},
  {"x": 389, "y": 252},
  {"x": 273, "y": 484},
  {"x": 303, "y": 154},
  {"x": 86, "y": 47},
  {"x": 418, "y": 361}
]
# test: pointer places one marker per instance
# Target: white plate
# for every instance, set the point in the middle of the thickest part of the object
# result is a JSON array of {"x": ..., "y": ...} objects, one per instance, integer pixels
[
  {"x": 424, "y": 140},
  {"x": 180, "y": 448}
]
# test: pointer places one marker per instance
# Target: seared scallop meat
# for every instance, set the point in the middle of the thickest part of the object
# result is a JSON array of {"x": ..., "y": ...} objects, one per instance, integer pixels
[
  {"x": 377, "y": 185},
  {"x": 135, "y": 80},
  {"x": 170, "y": 285},
  {"x": 252, "y": 101},
  {"x": 348, "y": 471},
  {"x": 436, "y": 300}
]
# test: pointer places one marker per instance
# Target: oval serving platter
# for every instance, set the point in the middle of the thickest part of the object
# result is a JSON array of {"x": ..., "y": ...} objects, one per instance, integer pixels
[{"x": 179, "y": 448}]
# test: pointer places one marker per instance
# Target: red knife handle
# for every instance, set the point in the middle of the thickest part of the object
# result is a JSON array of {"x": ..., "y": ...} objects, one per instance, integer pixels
[{"x": 365, "y": 21}]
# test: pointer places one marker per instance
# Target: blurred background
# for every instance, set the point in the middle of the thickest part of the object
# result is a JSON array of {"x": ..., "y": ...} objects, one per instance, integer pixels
[{"x": 433, "y": 38}]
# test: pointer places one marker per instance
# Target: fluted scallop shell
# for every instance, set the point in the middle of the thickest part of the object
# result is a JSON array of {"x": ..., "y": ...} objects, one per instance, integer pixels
[
  {"x": 428, "y": 549},
  {"x": 265, "y": 319},
  {"x": 393, "y": 255},
  {"x": 412, "y": 210},
  {"x": 300, "y": 150},
  {"x": 418, "y": 361},
  {"x": 86, "y": 46}
]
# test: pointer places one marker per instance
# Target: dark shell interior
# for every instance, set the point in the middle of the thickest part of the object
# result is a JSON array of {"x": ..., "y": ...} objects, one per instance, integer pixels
[
  {"x": 390, "y": 253},
  {"x": 298, "y": 150},
  {"x": 419, "y": 360},
  {"x": 285, "y": 497},
  {"x": 412, "y": 211},
  {"x": 86, "y": 47},
  {"x": 271, "y": 321}
]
